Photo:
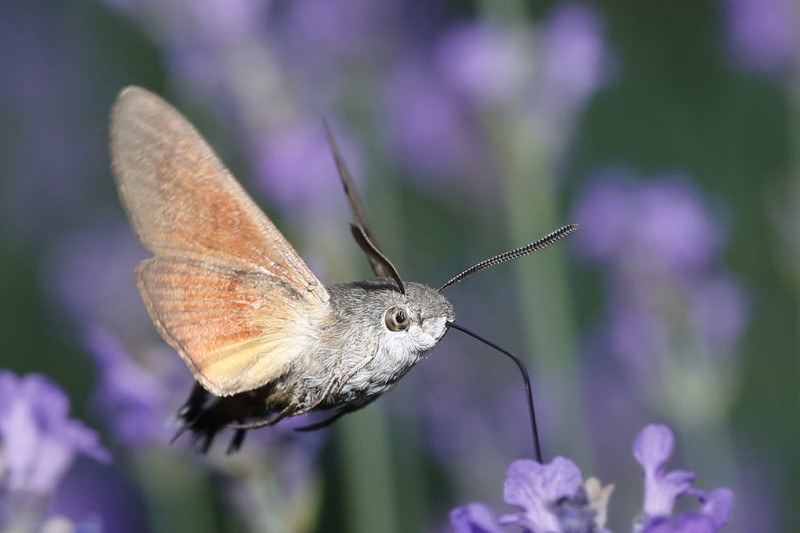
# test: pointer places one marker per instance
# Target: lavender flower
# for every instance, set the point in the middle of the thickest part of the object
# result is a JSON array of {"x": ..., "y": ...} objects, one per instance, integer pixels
[
  {"x": 88, "y": 274},
  {"x": 483, "y": 64},
  {"x": 136, "y": 400},
  {"x": 294, "y": 164},
  {"x": 474, "y": 518},
  {"x": 325, "y": 32},
  {"x": 38, "y": 444},
  {"x": 575, "y": 58},
  {"x": 546, "y": 493},
  {"x": 660, "y": 245},
  {"x": 674, "y": 318},
  {"x": 662, "y": 221},
  {"x": 434, "y": 110},
  {"x": 39, "y": 441},
  {"x": 652, "y": 447},
  {"x": 574, "y": 62},
  {"x": 763, "y": 35},
  {"x": 554, "y": 498},
  {"x": 429, "y": 129}
]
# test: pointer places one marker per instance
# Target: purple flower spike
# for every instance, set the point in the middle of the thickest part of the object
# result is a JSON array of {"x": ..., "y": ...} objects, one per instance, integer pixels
[
  {"x": 718, "y": 505},
  {"x": 674, "y": 225},
  {"x": 652, "y": 447},
  {"x": 132, "y": 398},
  {"x": 483, "y": 65},
  {"x": 554, "y": 499},
  {"x": 535, "y": 487},
  {"x": 575, "y": 57},
  {"x": 37, "y": 439},
  {"x": 710, "y": 518},
  {"x": 428, "y": 129},
  {"x": 664, "y": 220},
  {"x": 606, "y": 201},
  {"x": 474, "y": 518},
  {"x": 295, "y": 166},
  {"x": 762, "y": 34}
]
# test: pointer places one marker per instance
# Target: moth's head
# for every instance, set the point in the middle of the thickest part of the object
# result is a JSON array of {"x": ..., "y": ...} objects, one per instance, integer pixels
[
  {"x": 413, "y": 321},
  {"x": 418, "y": 318}
]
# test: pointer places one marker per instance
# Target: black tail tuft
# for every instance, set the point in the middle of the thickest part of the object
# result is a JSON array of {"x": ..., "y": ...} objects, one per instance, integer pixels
[{"x": 205, "y": 415}]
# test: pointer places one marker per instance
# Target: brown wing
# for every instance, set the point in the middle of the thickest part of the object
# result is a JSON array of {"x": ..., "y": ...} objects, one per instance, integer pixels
[
  {"x": 236, "y": 328},
  {"x": 225, "y": 284}
]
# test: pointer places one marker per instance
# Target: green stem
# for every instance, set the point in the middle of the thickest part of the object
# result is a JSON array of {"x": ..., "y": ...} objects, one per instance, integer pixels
[
  {"x": 178, "y": 494},
  {"x": 365, "y": 456},
  {"x": 544, "y": 293},
  {"x": 547, "y": 317}
]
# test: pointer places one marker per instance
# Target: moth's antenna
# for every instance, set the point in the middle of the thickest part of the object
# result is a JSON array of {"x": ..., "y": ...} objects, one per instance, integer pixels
[
  {"x": 560, "y": 233},
  {"x": 537, "y": 449}
]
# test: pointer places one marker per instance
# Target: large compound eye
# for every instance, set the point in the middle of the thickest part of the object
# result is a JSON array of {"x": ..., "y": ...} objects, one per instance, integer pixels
[{"x": 397, "y": 319}]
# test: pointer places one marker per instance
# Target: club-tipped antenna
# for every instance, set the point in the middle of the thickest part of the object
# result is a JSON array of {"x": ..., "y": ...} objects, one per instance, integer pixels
[
  {"x": 560, "y": 233},
  {"x": 537, "y": 449}
]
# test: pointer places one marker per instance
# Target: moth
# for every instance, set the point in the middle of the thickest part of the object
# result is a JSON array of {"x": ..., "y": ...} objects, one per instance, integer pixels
[{"x": 262, "y": 336}]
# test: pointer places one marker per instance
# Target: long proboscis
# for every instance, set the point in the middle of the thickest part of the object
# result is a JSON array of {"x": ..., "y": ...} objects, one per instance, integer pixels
[
  {"x": 558, "y": 234},
  {"x": 537, "y": 449}
]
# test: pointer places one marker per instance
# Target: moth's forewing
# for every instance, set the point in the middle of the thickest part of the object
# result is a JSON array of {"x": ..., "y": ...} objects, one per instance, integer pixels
[
  {"x": 225, "y": 288},
  {"x": 180, "y": 197}
]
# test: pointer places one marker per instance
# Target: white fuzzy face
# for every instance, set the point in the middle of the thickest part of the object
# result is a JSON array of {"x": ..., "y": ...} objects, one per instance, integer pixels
[
  {"x": 426, "y": 334},
  {"x": 414, "y": 323}
]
